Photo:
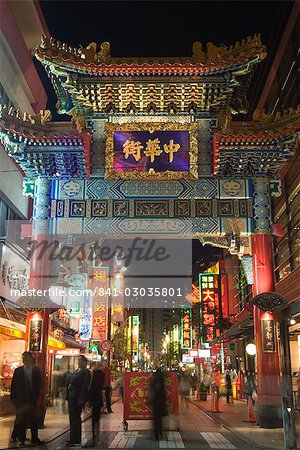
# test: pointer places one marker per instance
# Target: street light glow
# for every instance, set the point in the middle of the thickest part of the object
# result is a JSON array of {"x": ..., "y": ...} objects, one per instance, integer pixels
[{"x": 251, "y": 349}]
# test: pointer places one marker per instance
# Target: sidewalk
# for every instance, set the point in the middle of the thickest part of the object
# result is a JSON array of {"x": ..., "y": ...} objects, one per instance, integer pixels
[
  {"x": 56, "y": 424},
  {"x": 234, "y": 415}
]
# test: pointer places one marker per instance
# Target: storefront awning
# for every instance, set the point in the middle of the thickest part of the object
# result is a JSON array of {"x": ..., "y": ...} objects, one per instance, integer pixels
[
  {"x": 238, "y": 330},
  {"x": 55, "y": 344},
  {"x": 11, "y": 329}
]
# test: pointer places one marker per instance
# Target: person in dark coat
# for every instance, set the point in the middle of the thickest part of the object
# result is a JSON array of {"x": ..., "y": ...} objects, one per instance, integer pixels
[
  {"x": 77, "y": 397},
  {"x": 95, "y": 398},
  {"x": 228, "y": 384},
  {"x": 158, "y": 401},
  {"x": 25, "y": 391},
  {"x": 107, "y": 386}
]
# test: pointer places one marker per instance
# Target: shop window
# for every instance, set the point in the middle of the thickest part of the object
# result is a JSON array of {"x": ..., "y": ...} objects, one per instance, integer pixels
[{"x": 244, "y": 289}]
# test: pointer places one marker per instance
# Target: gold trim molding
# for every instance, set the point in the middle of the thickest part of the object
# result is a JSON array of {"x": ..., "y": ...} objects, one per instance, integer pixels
[{"x": 151, "y": 127}]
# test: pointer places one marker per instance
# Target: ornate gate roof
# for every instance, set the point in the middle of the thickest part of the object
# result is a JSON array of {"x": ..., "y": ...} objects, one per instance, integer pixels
[{"x": 210, "y": 80}]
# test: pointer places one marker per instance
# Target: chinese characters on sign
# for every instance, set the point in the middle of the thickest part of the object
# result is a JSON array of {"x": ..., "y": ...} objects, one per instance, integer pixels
[
  {"x": 186, "y": 330},
  {"x": 134, "y": 324},
  {"x": 77, "y": 285},
  {"x": 208, "y": 297},
  {"x": 100, "y": 306},
  {"x": 35, "y": 333},
  {"x": 153, "y": 149},
  {"x": 136, "y": 395},
  {"x": 268, "y": 335},
  {"x": 142, "y": 150}
]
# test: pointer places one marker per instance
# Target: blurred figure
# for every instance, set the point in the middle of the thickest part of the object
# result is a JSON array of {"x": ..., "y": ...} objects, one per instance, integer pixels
[
  {"x": 95, "y": 398},
  {"x": 78, "y": 389},
  {"x": 158, "y": 401},
  {"x": 25, "y": 391},
  {"x": 250, "y": 388},
  {"x": 185, "y": 383},
  {"x": 217, "y": 380},
  {"x": 107, "y": 386},
  {"x": 119, "y": 384},
  {"x": 57, "y": 381},
  {"x": 228, "y": 385}
]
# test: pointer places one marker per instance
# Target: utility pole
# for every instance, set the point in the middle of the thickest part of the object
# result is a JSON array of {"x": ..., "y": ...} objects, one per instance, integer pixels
[{"x": 288, "y": 412}]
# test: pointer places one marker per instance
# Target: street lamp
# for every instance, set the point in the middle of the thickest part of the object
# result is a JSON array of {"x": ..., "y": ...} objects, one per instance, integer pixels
[{"x": 251, "y": 349}]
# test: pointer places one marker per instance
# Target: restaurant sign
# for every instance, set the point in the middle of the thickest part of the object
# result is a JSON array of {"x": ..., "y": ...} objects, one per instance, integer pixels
[
  {"x": 136, "y": 395},
  {"x": 268, "y": 335}
]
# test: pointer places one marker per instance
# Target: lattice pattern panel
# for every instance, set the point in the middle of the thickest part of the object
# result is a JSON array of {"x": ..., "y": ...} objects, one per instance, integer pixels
[
  {"x": 158, "y": 97},
  {"x": 95, "y": 188}
]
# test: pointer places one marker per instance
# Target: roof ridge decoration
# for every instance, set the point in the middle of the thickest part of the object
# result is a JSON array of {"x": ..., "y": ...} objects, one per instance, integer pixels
[
  {"x": 259, "y": 115},
  {"x": 41, "y": 118},
  {"x": 204, "y": 54},
  {"x": 280, "y": 123},
  {"x": 40, "y": 126}
]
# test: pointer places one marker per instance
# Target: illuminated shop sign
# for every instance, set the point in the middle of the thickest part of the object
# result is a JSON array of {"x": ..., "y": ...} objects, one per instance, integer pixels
[
  {"x": 100, "y": 278},
  {"x": 76, "y": 292},
  {"x": 208, "y": 284},
  {"x": 65, "y": 352},
  {"x": 186, "y": 330},
  {"x": 134, "y": 333},
  {"x": 35, "y": 332},
  {"x": 175, "y": 338}
]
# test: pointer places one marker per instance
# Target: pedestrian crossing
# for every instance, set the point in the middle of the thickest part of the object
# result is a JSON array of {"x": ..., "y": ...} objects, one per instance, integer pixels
[
  {"x": 124, "y": 439},
  {"x": 174, "y": 440},
  {"x": 216, "y": 440},
  {"x": 171, "y": 439}
]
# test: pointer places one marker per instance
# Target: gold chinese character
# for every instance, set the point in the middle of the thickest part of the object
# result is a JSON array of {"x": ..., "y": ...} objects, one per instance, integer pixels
[
  {"x": 100, "y": 275},
  {"x": 99, "y": 321},
  {"x": 153, "y": 149},
  {"x": 133, "y": 148},
  {"x": 171, "y": 148},
  {"x": 99, "y": 306}
]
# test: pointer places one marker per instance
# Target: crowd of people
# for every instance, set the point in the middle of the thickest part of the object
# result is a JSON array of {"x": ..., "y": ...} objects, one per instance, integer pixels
[
  {"x": 78, "y": 388},
  {"x": 93, "y": 386}
]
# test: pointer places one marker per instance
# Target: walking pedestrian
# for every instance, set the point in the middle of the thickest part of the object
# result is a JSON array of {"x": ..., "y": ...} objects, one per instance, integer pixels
[
  {"x": 158, "y": 401},
  {"x": 107, "y": 386},
  {"x": 95, "y": 399},
  {"x": 77, "y": 397},
  {"x": 56, "y": 385},
  {"x": 251, "y": 388},
  {"x": 25, "y": 391},
  {"x": 228, "y": 384}
]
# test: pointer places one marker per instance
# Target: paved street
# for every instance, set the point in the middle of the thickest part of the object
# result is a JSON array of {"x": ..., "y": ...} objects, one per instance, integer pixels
[{"x": 197, "y": 430}]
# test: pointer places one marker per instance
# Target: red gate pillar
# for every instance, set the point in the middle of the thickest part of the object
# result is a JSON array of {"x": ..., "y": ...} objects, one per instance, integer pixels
[
  {"x": 38, "y": 318},
  {"x": 269, "y": 413}
]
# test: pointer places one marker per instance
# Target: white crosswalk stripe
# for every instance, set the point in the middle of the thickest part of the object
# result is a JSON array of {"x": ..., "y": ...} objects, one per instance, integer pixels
[
  {"x": 124, "y": 439},
  {"x": 178, "y": 439},
  {"x": 173, "y": 440},
  {"x": 217, "y": 440}
]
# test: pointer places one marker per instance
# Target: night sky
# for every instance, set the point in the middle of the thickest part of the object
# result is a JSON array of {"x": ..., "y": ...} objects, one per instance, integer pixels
[{"x": 165, "y": 28}]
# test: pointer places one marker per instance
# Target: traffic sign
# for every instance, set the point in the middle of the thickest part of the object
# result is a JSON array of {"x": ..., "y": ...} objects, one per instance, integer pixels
[{"x": 105, "y": 346}]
